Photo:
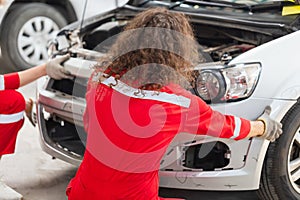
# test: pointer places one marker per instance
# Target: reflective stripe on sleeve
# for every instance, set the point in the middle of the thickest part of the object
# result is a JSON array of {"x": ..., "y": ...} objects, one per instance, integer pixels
[
  {"x": 161, "y": 96},
  {"x": 2, "y": 87},
  {"x": 7, "y": 119},
  {"x": 237, "y": 128}
]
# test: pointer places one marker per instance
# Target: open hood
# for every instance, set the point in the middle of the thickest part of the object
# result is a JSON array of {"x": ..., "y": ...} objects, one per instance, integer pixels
[{"x": 263, "y": 18}]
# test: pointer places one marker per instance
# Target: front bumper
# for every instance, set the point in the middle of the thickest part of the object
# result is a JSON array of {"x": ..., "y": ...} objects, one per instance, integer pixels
[
  {"x": 51, "y": 147},
  {"x": 244, "y": 177}
]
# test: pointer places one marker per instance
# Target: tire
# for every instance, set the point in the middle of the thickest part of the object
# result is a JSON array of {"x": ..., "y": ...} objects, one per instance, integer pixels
[
  {"x": 276, "y": 179},
  {"x": 26, "y": 31}
]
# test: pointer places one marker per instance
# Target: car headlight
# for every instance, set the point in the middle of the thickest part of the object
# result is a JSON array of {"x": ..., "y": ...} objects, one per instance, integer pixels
[
  {"x": 211, "y": 85},
  {"x": 227, "y": 83}
]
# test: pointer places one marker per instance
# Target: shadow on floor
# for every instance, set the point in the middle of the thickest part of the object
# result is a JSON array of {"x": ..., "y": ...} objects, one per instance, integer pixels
[{"x": 207, "y": 195}]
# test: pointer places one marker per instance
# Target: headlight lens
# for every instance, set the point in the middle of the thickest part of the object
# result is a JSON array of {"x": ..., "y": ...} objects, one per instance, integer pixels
[
  {"x": 211, "y": 85},
  {"x": 229, "y": 83}
]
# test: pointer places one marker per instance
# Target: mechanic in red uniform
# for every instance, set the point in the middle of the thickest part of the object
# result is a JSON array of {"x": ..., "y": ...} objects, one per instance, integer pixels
[
  {"x": 130, "y": 123},
  {"x": 13, "y": 105}
]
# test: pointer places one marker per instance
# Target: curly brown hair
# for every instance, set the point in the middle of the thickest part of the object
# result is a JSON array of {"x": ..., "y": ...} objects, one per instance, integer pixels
[{"x": 156, "y": 47}]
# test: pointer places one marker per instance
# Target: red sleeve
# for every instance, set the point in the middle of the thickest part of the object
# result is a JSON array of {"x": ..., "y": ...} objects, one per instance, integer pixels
[
  {"x": 9, "y": 81},
  {"x": 201, "y": 119}
]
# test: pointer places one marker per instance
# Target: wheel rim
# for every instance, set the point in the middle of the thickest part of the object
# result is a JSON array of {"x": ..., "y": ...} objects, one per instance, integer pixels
[
  {"x": 294, "y": 161},
  {"x": 34, "y": 37}
]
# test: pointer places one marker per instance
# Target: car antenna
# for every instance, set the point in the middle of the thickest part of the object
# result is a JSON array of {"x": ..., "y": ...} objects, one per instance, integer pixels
[{"x": 83, "y": 14}]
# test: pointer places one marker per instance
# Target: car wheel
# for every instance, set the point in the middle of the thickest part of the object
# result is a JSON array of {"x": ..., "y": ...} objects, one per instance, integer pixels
[
  {"x": 26, "y": 32},
  {"x": 280, "y": 177}
]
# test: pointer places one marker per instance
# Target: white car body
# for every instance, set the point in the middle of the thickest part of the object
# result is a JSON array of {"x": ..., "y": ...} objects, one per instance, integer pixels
[
  {"x": 252, "y": 163},
  {"x": 281, "y": 95},
  {"x": 278, "y": 86},
  {"x": 93, "y": 7}
]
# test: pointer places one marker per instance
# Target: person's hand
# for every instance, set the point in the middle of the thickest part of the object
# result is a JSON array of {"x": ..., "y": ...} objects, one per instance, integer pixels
[
  {"x": 55, "y": 70},
  {"x": 273, "y": 129}
]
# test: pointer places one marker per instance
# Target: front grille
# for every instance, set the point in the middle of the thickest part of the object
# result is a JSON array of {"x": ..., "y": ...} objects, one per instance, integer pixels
[
  {"x": 70, "y": 137},
  {"x": 75, "y": 87},
  {"x": 208, "y": 156}
]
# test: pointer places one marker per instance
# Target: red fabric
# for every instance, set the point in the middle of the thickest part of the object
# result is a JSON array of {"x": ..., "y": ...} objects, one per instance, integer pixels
[
  {"x": 127, "y": 138},
  {"x": 11, "y": 102},
  {"x": 11, "y": 81}
]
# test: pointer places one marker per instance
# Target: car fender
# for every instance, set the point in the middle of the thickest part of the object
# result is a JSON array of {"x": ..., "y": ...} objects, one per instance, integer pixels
[
  {"x": 4, "y": 7},
  {"x": 280, "y": 62},
  {"x": 278, "y": 86}
]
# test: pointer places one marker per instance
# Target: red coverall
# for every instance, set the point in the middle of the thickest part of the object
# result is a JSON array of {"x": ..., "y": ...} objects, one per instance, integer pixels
[
  {"x": 12, "y": 106},
  {"x": 129, "y": 132}
]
